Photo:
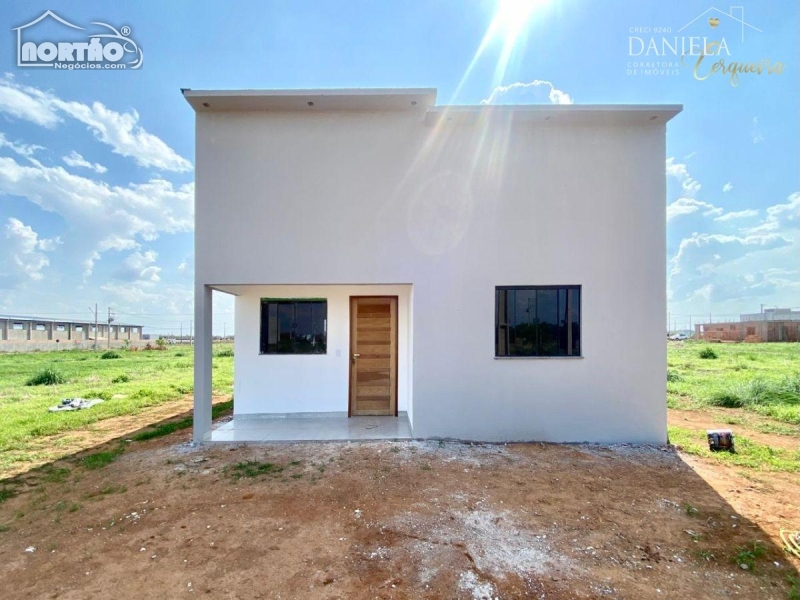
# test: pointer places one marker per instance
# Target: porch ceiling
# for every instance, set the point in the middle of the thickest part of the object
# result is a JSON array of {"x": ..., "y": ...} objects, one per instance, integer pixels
[{"x": 238, "y": 289}]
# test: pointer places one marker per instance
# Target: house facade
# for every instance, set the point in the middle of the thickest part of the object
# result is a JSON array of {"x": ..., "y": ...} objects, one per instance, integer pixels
[{"x": 460, "y": 265}]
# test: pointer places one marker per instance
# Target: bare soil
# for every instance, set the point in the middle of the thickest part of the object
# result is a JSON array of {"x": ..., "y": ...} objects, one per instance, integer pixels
[
  {"x": 720, "y": 418},
  {"x": 394, "y": 520}
]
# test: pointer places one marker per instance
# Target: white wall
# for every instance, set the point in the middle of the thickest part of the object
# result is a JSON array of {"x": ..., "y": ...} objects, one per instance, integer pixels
[
  {"x": 455, "y": 208},
  {"x": 291, "y": 383}
]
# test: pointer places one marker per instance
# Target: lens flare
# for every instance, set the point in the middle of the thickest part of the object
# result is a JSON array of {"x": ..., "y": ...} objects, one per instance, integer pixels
[{"x": 508, "y": 25}]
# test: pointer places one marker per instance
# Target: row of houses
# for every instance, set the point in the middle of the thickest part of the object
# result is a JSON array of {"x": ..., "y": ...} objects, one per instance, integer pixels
[{"x": 20, "y": 333}]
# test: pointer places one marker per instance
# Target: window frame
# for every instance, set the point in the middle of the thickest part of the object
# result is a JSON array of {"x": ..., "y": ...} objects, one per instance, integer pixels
[
  {"x": 263, "y": 349},
  {"x": 579, "y": 355}
]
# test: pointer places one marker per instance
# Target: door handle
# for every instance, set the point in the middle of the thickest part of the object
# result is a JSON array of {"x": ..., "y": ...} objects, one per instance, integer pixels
[{"x": 355, "y": 356}]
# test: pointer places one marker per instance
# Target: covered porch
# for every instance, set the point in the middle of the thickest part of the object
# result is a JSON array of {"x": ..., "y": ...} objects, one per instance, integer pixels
[{"x": 311, "y": 363}]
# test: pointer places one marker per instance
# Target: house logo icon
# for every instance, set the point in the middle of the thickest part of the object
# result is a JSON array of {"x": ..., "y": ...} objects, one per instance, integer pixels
[
  {"x": 701, "y": 46},
  {"x": 107, "y": 49},
  {"x": 716, "y": 17}
]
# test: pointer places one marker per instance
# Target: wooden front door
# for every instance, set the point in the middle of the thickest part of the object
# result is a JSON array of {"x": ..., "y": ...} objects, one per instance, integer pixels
[{"x": 373, "y": 355}]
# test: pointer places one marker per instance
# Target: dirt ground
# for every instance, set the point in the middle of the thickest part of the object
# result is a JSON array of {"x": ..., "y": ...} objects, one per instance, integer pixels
[{"x": 395, "y": 520}]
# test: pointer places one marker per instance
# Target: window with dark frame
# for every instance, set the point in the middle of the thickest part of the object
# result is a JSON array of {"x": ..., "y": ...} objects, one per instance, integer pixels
[
  {"x": 294, "y": 326},
  {"x": 538, "y": 320}
]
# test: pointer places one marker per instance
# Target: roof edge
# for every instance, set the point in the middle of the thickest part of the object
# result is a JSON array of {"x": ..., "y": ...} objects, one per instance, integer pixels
[
  {"x": 652, "y": 112},
  {"x": 317, "y": 99}
]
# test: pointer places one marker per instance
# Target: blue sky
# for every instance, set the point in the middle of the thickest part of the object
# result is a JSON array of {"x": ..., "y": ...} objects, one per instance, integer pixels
[{"x": 96, "y": 167}]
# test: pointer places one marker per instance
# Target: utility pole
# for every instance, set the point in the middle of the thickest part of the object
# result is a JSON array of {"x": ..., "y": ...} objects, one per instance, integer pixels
[
  {"x": 110, "y": 320},
  {"x": 191, "y": 333},
  {"x": 96, "y": 330},
  {"x": 224, "y": 331},
  {"x": 180, "y": 339}
]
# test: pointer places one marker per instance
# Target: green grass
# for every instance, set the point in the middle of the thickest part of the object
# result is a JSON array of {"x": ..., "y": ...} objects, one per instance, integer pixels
[
  {"x": 794, "y": 587},
  {"x": 6, "y": 493},
  {"x": 54, "y": 474},
  {"x": 749, "y": 453},
  {"x": 707, "y": 352},
  {"x": 173, "y": 426},
  {"x": 252, "y": 468},
  {"x": 47, "y": 376},
  {"x": 110, "y": 354},
  {"x": 163, "y": 429},
  {"x": 759, "y": 378},
  {"x": 747, "y": 556},
  {"x": 129, "y": 384},
  {"x": 98, "y": 460}
]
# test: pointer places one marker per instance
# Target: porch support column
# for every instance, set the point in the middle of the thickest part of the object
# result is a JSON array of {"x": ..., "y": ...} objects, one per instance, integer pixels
[{"x": 202, "y": 362}]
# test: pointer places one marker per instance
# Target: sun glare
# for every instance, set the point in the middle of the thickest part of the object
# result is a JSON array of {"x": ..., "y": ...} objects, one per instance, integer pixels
[{"x": 508, "y": 26}]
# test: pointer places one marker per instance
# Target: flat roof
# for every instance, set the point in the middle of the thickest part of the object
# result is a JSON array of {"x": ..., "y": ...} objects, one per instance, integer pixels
[
  {"x": 64, "y": 321},
  {"x": 419, "y": 99},
  {"x": 290, "y": 100},
  {"x": 560, "y": 113}
]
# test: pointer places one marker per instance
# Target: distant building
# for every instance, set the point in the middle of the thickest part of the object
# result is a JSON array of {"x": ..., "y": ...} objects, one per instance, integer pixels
[
  {"x": 32, "y": 333},
  {"x": 753, "y": 330},
  {"x": 772, "y": 314}
]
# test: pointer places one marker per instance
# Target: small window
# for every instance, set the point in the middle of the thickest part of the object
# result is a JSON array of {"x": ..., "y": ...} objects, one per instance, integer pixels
[
  {"x": 122, "y": 329},
  {"x": 18, "y": 326},
  {"x": 40, "y": 327},
  {"x": 79, "y": 328},
  {"x": 538, "y": 321},
  {"x": 294, "y": 326},
  {"x": 60, "y": 328}
]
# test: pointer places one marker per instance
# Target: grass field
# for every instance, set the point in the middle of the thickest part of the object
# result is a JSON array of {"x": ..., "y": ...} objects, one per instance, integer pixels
[
  {"x": 760, "y": 378},
  {"x": 753, "y": 389},
  {"x": 128, "y": 382}
]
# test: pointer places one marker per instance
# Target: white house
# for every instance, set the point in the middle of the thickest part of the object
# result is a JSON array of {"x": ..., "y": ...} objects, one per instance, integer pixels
[{"x": 493, "y": 273}]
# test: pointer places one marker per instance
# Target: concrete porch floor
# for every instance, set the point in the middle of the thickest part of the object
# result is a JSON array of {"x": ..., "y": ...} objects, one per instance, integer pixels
[{"x": 312, "y": 428}]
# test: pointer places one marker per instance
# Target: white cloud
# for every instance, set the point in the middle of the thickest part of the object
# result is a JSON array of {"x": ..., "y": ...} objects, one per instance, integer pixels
[
  {"x": 140, "y": 266},
  {"x": 686, "y": 206},
  {"x": 151, "y": 297},
  {"x": 524, "y": 93},
  {"x": 121, "y": 131},
  {"x": 678, "y": 171},
  {"x": 73, "y": 159},
  {"x": 727, "y": 187},
  {"x": 739, "y": 214},
  {"x": 26, "y": 103},
  {"x": 22, "y": 254},
  {"x": 755, "y": 131},
  {"x": 25, "y": 150},
  {"x": 100, "y": 217},
  {"x": 780, "y": 218},
  {"x": 728, "y": 270}
]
